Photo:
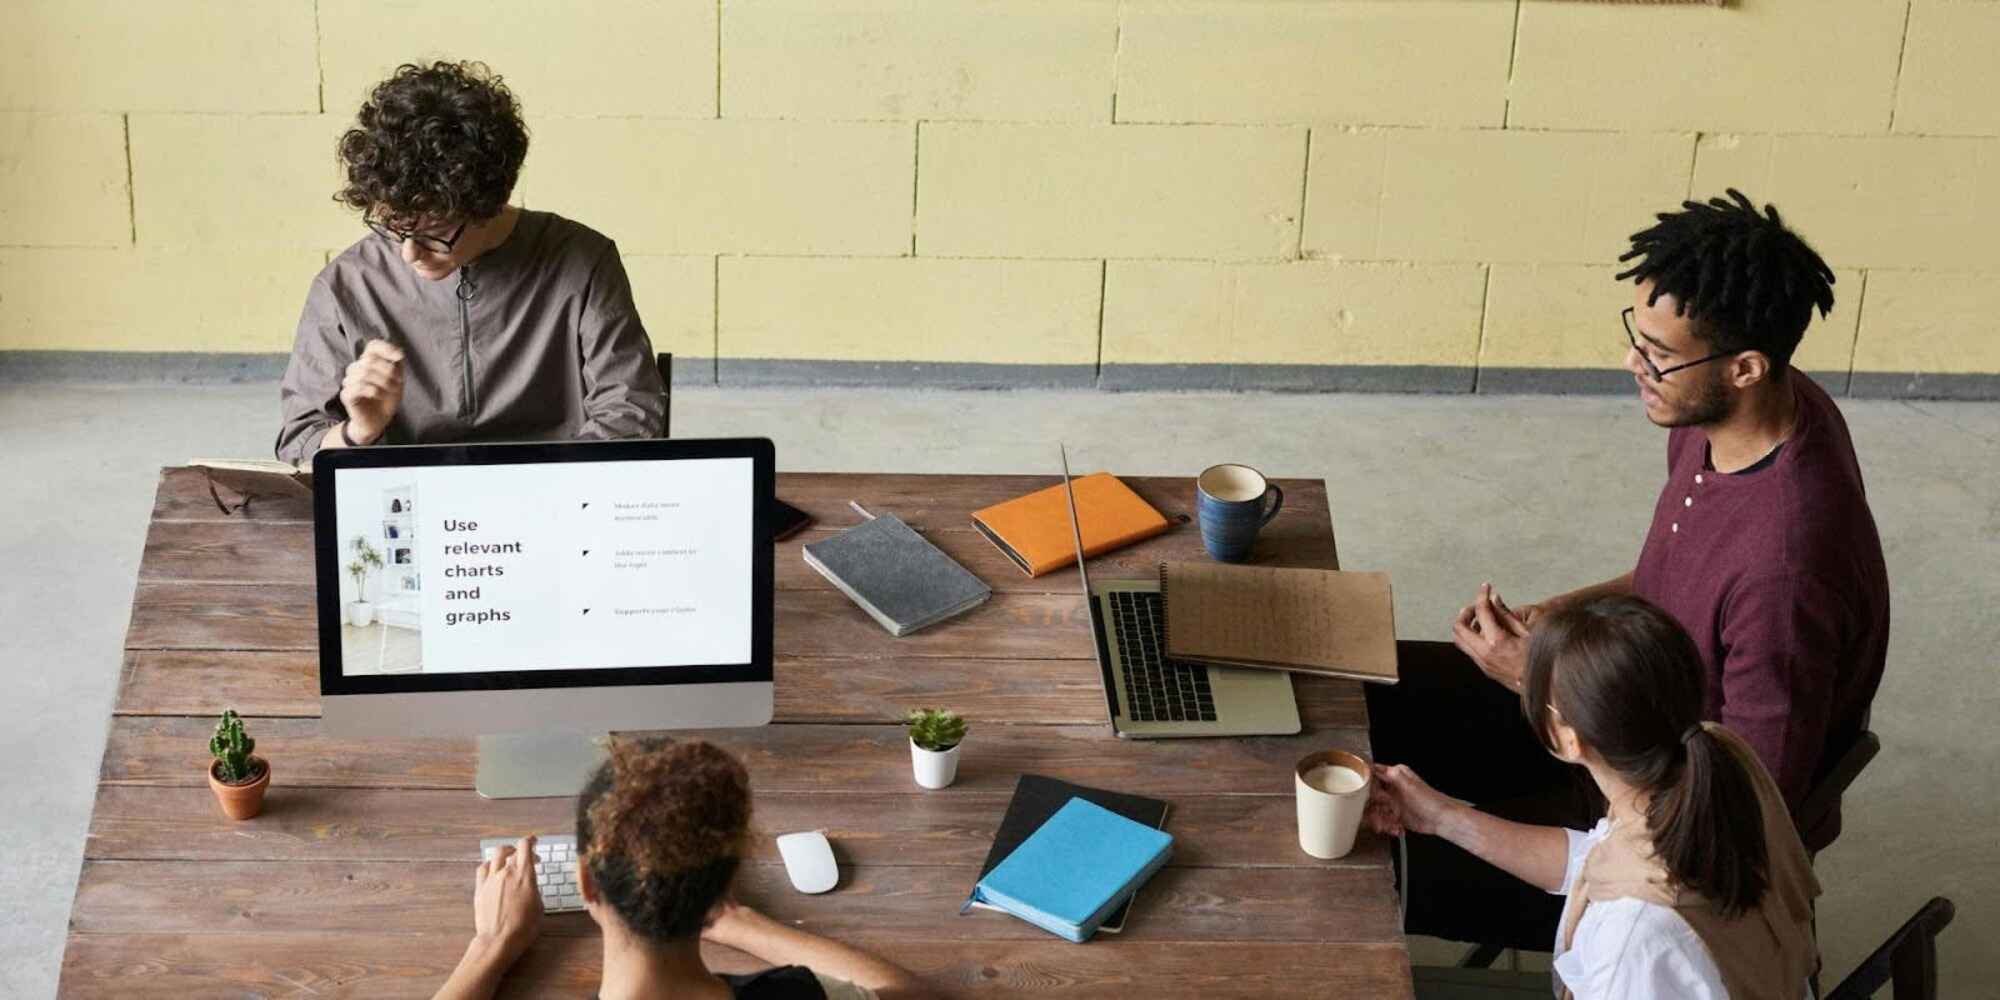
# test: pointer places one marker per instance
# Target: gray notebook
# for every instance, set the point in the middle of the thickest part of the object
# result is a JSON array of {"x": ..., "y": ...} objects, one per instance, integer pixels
[{"x": 901, "y": 580}]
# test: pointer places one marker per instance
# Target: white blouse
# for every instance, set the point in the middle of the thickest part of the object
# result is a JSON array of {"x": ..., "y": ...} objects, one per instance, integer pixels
[
  {"x": 840, "y": 989},
  {"x": 1631, "y": 948}
]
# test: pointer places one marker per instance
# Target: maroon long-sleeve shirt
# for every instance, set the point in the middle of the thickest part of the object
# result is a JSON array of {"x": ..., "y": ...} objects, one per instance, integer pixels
[{"x": 1777, "y": 572}]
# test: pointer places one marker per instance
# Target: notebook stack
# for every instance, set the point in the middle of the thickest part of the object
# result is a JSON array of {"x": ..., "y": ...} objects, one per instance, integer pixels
[{"x": 1068, "y": 864}]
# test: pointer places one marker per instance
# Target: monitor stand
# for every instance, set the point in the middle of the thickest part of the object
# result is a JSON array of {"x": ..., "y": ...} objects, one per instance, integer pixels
[{"x": 538, "y": 765}]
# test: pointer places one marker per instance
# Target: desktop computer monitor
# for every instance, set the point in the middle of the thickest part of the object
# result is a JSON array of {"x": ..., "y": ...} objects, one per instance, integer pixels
[{"x": 540, "y": 595}]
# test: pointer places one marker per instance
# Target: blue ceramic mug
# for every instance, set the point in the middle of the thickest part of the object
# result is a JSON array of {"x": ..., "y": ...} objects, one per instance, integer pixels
[{"x": 1230, "y": 502}]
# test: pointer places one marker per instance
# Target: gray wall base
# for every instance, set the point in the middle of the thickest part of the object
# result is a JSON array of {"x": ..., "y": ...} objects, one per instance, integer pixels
[
  {"x": 199, "y": 368},
  {"x": 1289, "y": 378},
  {"x": 143, "y": 367},
  {"x": 927, "y": 374},
  {"x": 1914, "y": 385}
]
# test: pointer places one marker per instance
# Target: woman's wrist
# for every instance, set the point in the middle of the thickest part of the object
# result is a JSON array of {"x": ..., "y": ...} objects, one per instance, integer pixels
[
  {"x": 1455, "y": 822},
  {"x": 488, "y": 956}
]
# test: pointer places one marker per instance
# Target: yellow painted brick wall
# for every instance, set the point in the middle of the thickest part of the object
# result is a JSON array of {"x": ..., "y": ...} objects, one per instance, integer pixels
[
  {"x": 1928, "y": 321},
  {"x": 62, "y": 180},
  {"x": 676, "y": 296},
  {"x": 1435, "y": 63},
  {"x": 1488, "y": 194},
  {"x": 728, "y": 186},
  {"x": 652, "y": 58},
  {"x": 932, "y": 59},
  {"x": 142, "y": 299},
  {"x": 1304, "y": 312},
  {"x": 1214, "y": 192},
  {"x": 1755, "y": 65},
  {"x": 911, "y": 309},
  {"x": 1951, "y": 72},
  {"x": 1051, "y": 182}
]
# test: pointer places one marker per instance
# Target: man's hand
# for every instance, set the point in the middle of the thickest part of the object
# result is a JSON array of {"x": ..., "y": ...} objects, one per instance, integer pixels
[
  {"x": 506, "y": 905},
  {"x": 1494, "y": 637},
  {"x": 371, "y": 390},
  {"x": 1400, "y": 801}
]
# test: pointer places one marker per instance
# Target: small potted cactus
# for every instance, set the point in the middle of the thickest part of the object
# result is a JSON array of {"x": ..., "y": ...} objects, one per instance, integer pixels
[
  {"x": 935, "y": 736},
  {"x": 361, "y": 613},
  {"x": 237, "y": 776}
]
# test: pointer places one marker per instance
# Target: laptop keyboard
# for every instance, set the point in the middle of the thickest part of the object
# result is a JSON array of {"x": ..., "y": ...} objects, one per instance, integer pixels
[{"x": 1156, "y": 689}]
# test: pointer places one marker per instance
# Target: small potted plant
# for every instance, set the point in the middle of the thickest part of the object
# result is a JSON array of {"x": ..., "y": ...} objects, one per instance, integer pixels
[
  {"x": 360, "y": 613},
  {"x": 237, "y": 776},
  {"x": 935, "y": 736}
]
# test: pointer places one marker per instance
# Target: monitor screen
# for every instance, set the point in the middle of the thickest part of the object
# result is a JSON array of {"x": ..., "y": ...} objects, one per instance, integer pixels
[{"x": 543, "y": 565}]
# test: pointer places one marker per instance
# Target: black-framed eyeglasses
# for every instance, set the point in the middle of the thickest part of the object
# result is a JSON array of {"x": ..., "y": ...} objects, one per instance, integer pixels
[
  {"x": 434, "y": 244},
  {"x": 1660, "y": 374}
]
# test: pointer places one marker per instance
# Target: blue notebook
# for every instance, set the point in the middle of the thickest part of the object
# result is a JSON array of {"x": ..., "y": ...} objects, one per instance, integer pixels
[{"x": 1072, "y": 873}]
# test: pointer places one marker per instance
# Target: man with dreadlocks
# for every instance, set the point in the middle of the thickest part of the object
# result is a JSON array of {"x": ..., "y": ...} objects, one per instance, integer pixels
[{"x": 1762, "y": 546}]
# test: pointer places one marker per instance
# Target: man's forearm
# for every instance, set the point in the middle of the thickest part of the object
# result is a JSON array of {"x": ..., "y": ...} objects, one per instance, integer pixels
[
  {"x": 1537, "y": 855},
  {"x": 759, "y": 935}
]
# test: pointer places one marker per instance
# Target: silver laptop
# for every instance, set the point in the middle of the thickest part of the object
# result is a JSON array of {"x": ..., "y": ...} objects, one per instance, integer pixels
[{"x": 1151, "y": 697}]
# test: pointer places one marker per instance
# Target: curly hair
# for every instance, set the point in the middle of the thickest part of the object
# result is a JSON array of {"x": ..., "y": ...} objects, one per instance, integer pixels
[
  {"x": 1749, "y": 283},
  {"x": 662, "y": 826},
  {"x": 437, "y": 142}
]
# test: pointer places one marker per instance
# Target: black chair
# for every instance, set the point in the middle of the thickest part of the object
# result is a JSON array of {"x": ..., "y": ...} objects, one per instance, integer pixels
[
  {"x": 1908, "y": 959},
  {"x": 1823, "y": 802},
  {"x": 1819, "y": 808},
  {"x": 666, "y": 363}
]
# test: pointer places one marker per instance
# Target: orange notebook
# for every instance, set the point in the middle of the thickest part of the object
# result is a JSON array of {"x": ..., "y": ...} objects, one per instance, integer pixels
[{"x": 1034, "y": 530}]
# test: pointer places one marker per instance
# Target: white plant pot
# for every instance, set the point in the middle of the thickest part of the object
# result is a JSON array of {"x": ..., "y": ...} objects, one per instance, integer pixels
[
  {"x": 360, "y": 614},
  {"x": 934, "y": 768}
]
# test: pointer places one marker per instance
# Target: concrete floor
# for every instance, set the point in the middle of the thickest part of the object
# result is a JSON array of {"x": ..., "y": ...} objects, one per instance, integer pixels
[{"x": 1535, "y": 494}]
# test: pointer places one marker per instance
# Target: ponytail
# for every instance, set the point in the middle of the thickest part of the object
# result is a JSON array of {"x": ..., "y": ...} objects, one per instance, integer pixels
[
  {"x": 1708, "y": 826},
  {"x": 1627, "y": 678}
]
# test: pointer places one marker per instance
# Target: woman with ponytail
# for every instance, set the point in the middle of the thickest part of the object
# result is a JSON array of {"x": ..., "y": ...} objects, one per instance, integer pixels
[{"x": 1695, "y": 883}]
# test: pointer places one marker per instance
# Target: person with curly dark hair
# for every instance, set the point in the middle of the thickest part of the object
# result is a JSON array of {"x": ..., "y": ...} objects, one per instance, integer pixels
[
  {"x": 661, "y": 829},
  {"x": 461, "y": 317}
]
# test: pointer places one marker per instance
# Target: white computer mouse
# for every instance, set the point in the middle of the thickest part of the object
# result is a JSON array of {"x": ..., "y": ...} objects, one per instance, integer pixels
[{"x": 809, "y": 861}]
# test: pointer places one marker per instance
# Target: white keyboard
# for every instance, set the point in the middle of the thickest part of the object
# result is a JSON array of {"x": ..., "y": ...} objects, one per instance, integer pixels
[{"x": 555, "y": 869}]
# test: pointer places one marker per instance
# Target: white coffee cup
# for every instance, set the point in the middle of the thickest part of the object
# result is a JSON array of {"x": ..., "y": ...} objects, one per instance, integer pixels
[{"x": 1332, "y": 790}]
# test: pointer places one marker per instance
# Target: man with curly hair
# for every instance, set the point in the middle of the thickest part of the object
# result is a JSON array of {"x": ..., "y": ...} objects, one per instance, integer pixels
[{"x": 461, "y": 317}]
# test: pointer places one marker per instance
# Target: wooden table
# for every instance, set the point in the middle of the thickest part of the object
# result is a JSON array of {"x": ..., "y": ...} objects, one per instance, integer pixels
[{"x": 357, "y": 879}]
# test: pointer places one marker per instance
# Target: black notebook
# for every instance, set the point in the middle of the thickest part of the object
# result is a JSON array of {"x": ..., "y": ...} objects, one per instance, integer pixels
[{"x": 1037, "y": 798}]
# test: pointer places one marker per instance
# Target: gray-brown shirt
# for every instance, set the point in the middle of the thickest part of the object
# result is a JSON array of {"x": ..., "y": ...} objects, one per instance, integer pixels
[{"x": 537, "y": 339}]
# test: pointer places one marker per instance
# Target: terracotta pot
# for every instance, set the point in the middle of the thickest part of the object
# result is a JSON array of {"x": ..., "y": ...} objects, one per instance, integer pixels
[{"x": 245, "y": 800}]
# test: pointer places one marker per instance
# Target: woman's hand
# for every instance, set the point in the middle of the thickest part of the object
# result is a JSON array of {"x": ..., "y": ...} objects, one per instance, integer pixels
[
  {"x": 731, "y": 923},
  {"x": 1399, "y": 801},
  {"x": 506, "y": 904}
]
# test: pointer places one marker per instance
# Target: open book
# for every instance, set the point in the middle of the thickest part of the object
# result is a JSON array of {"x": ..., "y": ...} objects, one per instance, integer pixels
[{"x": 235, "y": 482}]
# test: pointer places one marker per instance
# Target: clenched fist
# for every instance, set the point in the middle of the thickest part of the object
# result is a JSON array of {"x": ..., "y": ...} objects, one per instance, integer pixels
[{"x": 371, "y": 390}]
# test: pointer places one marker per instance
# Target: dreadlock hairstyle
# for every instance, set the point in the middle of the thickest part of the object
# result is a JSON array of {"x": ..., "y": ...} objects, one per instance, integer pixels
[{"x": 1747, "y": 282}]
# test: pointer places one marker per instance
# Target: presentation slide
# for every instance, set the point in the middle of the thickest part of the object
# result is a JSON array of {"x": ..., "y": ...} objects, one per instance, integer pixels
[{"x": 585, "y": 565}]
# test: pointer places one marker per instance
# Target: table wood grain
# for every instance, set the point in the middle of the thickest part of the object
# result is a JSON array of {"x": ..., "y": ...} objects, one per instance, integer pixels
[{"x": 356, "y": 879}]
